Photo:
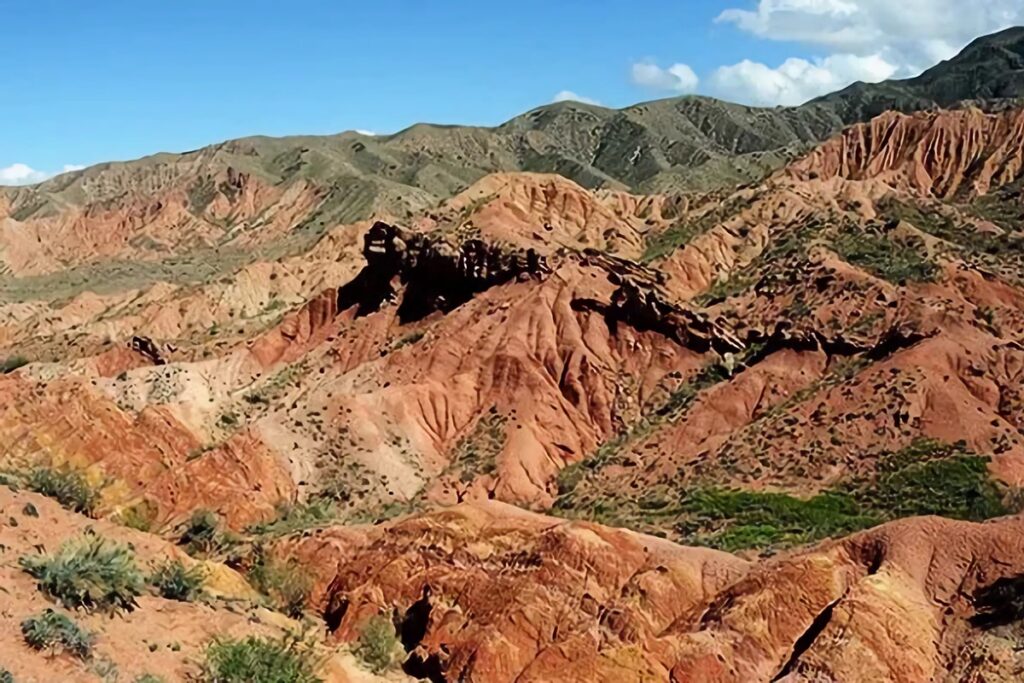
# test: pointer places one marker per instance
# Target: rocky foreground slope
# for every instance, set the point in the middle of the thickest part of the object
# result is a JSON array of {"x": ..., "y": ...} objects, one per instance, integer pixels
[{"x": 541, "y": 432}]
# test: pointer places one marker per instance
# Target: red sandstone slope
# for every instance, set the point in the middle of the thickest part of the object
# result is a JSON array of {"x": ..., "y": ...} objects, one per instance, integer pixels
[
  {"x": 804, "y": 336},
  {"x": 488, "y": 592}
]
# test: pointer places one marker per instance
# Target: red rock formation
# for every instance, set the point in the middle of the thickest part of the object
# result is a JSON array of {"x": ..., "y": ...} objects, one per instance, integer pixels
[{"x": 941, "y": 154}]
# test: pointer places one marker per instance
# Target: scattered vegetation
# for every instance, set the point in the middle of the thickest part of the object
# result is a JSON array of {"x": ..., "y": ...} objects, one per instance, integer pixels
[
  {"x": 666, "y": 242},
  {"x": 88, "y": 573},
  {"x": 228, "y": 420},
  {"x": 174, "y": 581},
  {"x": 54, "y": 631},
  {"x": 674, "y": 406},
  {"x": 925, "y": 478},
  {"x": 68, "y": 487},
  {"x": 377, "y": 644},
  {"x": 476, "y": 453},
  {"x": 881, "y": 256},
  {"x": 259, "y": 660},
  {"x": 6, "y": 676},
  {"x": 148, "y": 678},
  {"x": 297, "y": 517}
]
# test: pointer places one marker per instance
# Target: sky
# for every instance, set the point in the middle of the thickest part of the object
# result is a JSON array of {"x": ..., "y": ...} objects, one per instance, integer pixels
[{"x": 86, "y": 82}]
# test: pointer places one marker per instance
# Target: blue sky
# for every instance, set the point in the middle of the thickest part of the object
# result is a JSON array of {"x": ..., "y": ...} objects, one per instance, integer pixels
[{"x": 86, "y": 82}]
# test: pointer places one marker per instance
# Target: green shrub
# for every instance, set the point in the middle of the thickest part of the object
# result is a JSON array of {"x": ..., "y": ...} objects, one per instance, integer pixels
[
  {"x": 958, "y": 487},
  {"x": 12, "y": 363},
  {"x": 284, "y": 582},
  {"x": 259, "y": 660},
  {"x": 203, "y": 535},
  {"x": 139, "y": 516},
  {"x": 148, "y": 678},
  {"x": 6, "y": 676},
  {"x": 69, "y": 488},
  {"x": 377, "y": 644},
  {"x": 88, "y": 573},
  {"x": 55, "y": 631},
  {"x": 733, "y": 520},
  {"x": 174, "y": 581}
]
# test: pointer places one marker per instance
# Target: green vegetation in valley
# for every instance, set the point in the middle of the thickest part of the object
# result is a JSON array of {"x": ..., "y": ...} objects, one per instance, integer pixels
[
  {"x": 733, "y": 520},
  {"x": 879, "y": 255},
  {"x": 925, "y": 478},
  {"x": 88, "y": 573}
]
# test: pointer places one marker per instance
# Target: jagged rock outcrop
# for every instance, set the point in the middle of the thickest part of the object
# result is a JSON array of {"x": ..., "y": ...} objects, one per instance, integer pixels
[
  {"x": 941, "y": 154},
  {"x": 436, "y": 275}
]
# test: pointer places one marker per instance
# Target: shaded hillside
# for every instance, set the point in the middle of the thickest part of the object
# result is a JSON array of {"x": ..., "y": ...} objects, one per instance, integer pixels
[
  {"x": 683, "y": 143},
  {"x": 990, "y": 68}
]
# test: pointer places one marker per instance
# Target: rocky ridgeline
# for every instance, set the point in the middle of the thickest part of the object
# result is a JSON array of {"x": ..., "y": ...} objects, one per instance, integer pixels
[{"x": 436, "y": 275}]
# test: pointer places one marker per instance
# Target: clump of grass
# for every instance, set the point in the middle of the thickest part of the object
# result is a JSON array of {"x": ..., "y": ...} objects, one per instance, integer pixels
[
  {"x": 88, "y": 573},
  {"x": 69, "y": 488},
  {"x": 140, "y": 516},
  {"x": 285, "y": 582},
  {"x": 6, "y": 676},
  {"x": 12, "y": 363},
  {"x": 203, "y": 535},
  {"x": 174, "y": 581},
  {"x": 377, "y": 644},
  {"x": 148, "y": 678},
  {"x": 54, "y": 631},
  {"x": 408, "y": 339},
  {"x": 259, "y": 660}
]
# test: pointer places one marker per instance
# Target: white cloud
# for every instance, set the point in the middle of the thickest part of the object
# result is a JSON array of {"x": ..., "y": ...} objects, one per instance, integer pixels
[
  {"x": 678, "y": 78},
  {"x": 570, "y": 96},
  {"x": 913, "y": 34},
  {"x": 23, "y": 174},
  {"x": 796, "y": 80}
]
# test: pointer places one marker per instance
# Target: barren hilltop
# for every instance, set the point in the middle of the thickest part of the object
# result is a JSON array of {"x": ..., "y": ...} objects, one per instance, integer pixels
[{"x": 686, "y": 391}]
